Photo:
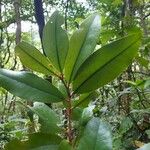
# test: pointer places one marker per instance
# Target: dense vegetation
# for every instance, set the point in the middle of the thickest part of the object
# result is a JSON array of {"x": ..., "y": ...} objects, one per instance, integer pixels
[{"x": 77, "y": 78}]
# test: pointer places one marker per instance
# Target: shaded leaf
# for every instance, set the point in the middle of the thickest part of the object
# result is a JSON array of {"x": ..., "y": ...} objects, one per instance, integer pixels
[
  {"x": 64, "y": 145},
  {"x": 62, "y": 89},
  {"x": 15, "y": 145},
  {"x": 96, "y": 136},
  {"x": 106, "y": 64},
  {"x": 37, "y": 141},
  {"x": 76, "y": 113},
  {"x": 82, "y": 44},
  {"x": 84, "y": 99},
  {"x": 40, "y": 140},
  {"x": 55, "y": 41},
  {"x": 48, "y": 118},
  {"x": 29, "y": 86},
  {"x": 87, "y": 114}
]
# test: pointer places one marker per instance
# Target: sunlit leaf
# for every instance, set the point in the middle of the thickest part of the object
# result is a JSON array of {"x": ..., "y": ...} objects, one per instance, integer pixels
[
  {"x": 82, "y": 44},
  {"x": 106, "y": 64},
  {"x": 55, "y": 41}
]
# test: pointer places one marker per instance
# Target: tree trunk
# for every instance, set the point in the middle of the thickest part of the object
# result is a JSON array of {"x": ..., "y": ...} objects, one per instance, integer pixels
[{"x": 17, "y": 5}]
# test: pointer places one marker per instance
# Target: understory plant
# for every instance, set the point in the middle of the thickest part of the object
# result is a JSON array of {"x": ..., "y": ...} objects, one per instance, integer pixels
[{"x": 78, "y": 68}]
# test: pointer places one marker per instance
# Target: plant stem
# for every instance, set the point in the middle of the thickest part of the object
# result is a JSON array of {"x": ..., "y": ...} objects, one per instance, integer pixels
[{"x": 69, "y": 113}]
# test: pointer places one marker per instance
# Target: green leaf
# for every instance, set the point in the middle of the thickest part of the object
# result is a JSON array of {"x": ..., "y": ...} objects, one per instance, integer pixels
[
  {"x": 82, "y": 44},
  {"x": 84, "y": 99},
  {"x": 106, "y": 64},
  {"x": 40, "y": 141},
  {"x": 96, "y": 136},
  {"x": 62, "y": 89},
  {"x": 145, "y": 147},
  {"x": 64, "y": 145},
  {"x": 87, "y": 114},
  {"x": 76, "y": 113},
  {"x": 15, "y": 145},
  {"x": 33, "y": 58},
  {"x": 37, "y": 141},
  {"x": 55, "y": 41},
  {"x": 48, "y": 118},
  {"x": 29, "y": 86}
]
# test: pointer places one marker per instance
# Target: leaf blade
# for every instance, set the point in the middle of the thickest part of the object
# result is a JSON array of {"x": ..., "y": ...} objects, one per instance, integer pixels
[
  {"x": 96, "y": 136},
  {"x": 82, "y": 44},
  {"x": 84, "y": 99},
  {"x": 33, "y": 58},
  {"x": 98, "y": 69},
  {"x": 64, "y": 145},
  {"x": 48, "y": 118},
  {"x": 36, "y": 141},
  {"x": 55, "y": 41},
  {"x": 29, "y": 86}
]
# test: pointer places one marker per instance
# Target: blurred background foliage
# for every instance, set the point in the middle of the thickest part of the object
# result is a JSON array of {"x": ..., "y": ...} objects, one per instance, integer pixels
[{"x": 124, "y": 103}]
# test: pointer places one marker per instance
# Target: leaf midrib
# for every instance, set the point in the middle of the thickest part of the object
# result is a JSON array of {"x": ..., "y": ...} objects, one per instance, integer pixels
[
  {"x": 28, "y": 85},
  {"x": 80, "y": 50},
  {"x": 35, "y": 59},
  {"x": 58, "y": 59},
  {"x": 106, "y": 64}
]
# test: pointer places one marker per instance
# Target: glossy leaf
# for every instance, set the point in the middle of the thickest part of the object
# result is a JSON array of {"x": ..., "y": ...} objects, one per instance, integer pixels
[
  {"x": 82, "y": 44},
  {"x": 106, "y": 64},
  {"x": 37, "y": 141},
  {"x": 48, "y": 118},
  {"x": 33, "y": 58},
  {"x": 96, "y": 136},
  {"x": 55, "y": 41},
  {"x": 29, "y": 86}
]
